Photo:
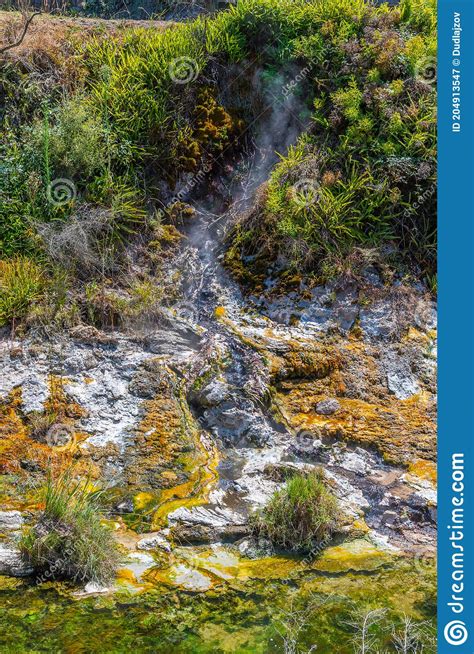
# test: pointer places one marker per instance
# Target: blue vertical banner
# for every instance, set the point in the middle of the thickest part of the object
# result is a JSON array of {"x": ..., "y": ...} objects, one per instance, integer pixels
[{"x": 456, "y": 326}]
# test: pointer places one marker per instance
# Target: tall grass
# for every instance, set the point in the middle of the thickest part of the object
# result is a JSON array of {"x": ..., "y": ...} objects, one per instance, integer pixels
[
  {"x": 370, "y": 159},
  {"x": 21, "y": 283},
  {"x": 301, "y": 515},
  {"x": 69, "y": 540},
  {"x": 131, "y": 81}
]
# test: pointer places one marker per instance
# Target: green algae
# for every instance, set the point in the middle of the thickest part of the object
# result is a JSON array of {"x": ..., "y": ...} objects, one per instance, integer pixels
[
  {"x": 358, "y": 556},
  {"x": 201, "y": 466},
  {"x": 202, "y": 568},
  {"x": 242, "y": 615}
]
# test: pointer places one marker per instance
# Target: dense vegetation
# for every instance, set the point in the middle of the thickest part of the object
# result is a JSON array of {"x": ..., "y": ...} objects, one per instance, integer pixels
[
  {"x": 301, "y": 516},
  {"x": 364, "y": 174},
  {"x": 99, "y": 135},
  {"x": 69, "y": 540},
  {"x": 94, "y": 140}
]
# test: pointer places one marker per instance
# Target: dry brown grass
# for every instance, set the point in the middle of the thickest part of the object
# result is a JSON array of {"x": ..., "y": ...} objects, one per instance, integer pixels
[{"x": 49, "y": 34}]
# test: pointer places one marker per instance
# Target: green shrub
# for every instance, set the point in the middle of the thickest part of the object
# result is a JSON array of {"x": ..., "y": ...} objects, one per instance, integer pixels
[
  {"x": 21, "y": 283},
  {"x": 131, "y": 122},
  {"x": 72, "y": 141},
  {"x": 69, "y": 539},
  {"x": 366, "y": 174},
  {"x": 20, "y": 185},
  {"x": 301, "y": 515},
  {"x": 131, "y": 82}
]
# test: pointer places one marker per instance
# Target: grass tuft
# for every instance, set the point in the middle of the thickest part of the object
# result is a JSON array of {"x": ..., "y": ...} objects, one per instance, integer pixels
[
  {"x": 69, "y": 540},
  {"x": 301, "y": 515},
  {"x": 21, "y": 283}
]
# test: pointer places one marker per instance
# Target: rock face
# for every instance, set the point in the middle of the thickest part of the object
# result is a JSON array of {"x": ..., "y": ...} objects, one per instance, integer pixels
[
  {"x": 199, "y": 534},
  {"x": 95, "y": 376},
  {"x": 346, "y": 387},
  {"x": 211, "y": 394},
  {"x": 10, "y": 520},
  {"x": 236, "y": 425},
  {"x": 11, "y": 563},
  {"x": 224, "y": 387},
  {"x": 327, "y": 407},
  {"x": 378, "y": 395},
  {"x": 154, "y": 541},
  {"x": 150, "y": 378},
  {"x": 401, "y": 380}
]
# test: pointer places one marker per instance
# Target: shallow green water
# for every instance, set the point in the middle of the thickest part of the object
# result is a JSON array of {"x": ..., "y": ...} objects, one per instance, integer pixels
[{"x": 239, "y": 616}]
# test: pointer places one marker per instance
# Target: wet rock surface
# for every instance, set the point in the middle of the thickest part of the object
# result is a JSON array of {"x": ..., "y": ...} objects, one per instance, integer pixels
[
  {"x": 274, "y": 399},
  {"x": 197, "y": 422},
  {"x": 154, "y": 541}
]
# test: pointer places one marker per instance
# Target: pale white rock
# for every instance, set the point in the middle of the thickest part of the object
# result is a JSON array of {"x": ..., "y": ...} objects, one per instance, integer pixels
[
  {"x": 382, "y": 541},
  {"x": 217, "y": 495},
  {"x": 11, "y": 562},
  {"x": 424, "y": 488},
  {"x": 255, "y": 488},
  {"x": 10, "y": 520},
  {"x": 93, "y": 588},
  {"x": 34, "y": 392},
  {"x": 190, "y": 578},
  {"x": 139, "y": 563},
  {"x": 211, "y": 517},
  {"x": 154, "y": 541},
  {"x": 357, "y": 461},
  {"x": 351, "y": 498},
  {"x": 400, "y": 379}
]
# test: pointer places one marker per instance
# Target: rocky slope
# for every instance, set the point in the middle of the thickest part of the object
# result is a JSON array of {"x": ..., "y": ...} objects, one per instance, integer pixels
[{"x": 196, "y": 422}]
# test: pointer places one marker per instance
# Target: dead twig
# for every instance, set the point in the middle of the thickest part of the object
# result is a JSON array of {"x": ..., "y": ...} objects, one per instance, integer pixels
[{"x": 20, "y": 40}]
